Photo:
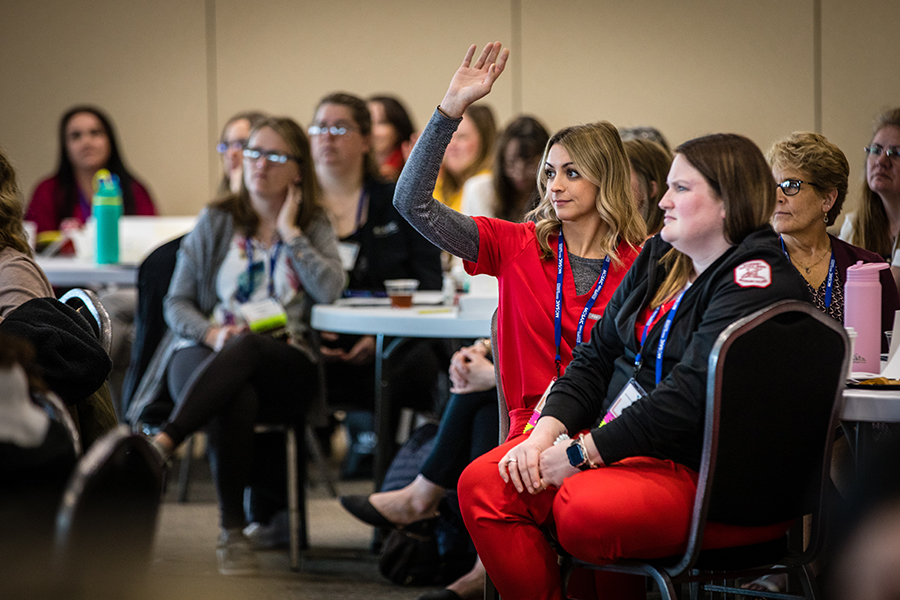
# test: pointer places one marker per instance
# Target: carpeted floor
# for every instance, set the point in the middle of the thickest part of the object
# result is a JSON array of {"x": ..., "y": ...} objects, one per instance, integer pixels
[{"x": 338, "y": 564}]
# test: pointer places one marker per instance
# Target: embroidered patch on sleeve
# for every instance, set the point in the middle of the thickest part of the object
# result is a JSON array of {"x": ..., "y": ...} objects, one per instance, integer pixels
[{"x": 753, "y": 273}]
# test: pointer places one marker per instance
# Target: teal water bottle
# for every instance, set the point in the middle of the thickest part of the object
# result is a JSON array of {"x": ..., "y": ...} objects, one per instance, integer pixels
[{"x": 107, "y": 208}]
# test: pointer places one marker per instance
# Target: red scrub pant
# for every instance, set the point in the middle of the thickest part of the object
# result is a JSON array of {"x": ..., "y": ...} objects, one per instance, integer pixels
[{"x": 637, "y": 508}]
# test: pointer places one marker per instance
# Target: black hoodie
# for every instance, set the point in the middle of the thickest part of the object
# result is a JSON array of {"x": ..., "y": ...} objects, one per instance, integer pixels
[{"x": 668, "y": 423}]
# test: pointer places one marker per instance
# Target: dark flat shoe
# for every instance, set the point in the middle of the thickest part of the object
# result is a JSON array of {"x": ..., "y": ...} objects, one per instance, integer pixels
[
  {"x": 360, "y": 507},
  {"x": 443, "y": 594}
]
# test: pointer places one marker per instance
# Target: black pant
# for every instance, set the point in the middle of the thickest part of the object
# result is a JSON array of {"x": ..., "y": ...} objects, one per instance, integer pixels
[
  {"x": 253, "y": 379},
  {"x": 468, "y": 429}
]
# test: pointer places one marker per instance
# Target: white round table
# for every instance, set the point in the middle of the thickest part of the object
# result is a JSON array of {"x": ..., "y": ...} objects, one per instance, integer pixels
[{"x": 353, "y": 316}]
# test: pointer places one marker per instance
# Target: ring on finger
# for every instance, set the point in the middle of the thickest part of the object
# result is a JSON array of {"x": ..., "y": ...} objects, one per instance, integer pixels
[{"x": 511, "y": 460}]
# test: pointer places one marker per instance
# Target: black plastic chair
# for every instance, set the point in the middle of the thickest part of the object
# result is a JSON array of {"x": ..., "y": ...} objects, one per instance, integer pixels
[
  {"x": 88, "y": 305},
  {"x": 154, "y": 276},
  {"x": 775, "y": 375},
  {"x": 107, "y": 519},
  {"x": 153, "y": 279}
]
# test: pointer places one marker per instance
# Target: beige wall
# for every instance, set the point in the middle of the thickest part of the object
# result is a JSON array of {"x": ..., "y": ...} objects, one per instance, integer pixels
[{"x": 171, "y": 71}]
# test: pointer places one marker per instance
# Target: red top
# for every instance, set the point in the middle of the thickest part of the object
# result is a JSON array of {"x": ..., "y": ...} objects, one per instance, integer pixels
[
  {"x": 510, "y": 251},
  {"x": 647, "y": 313},
  {"x": 45, "y": 208},
  {"x": 392, "y": 165}
]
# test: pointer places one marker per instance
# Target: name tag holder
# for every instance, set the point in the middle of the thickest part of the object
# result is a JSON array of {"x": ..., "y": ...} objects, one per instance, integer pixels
[{"x": 264, "y": 316}]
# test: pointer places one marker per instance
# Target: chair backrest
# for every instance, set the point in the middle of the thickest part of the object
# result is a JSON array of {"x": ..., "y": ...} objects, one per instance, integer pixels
[
  {"x": 88, "y": 305},
  {"x": 501, "y": 398},
  {"x": 153, "y": 279},
  {"x": 54, "y": 406},
  {"x": 107, "y": 519},
  {"x": 774, "y": 393}
]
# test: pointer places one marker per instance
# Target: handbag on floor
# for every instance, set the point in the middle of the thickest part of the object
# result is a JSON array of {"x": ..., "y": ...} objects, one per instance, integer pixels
[{"x": 435, "y": 558}]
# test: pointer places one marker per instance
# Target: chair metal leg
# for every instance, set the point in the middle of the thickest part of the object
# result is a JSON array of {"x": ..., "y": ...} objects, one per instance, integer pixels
[
  {"x": 312, "y": 446},
  {"x": 490, "y": 592},
  {"x": 808, "y": 581},
  {"x": 293, "y": 497}
]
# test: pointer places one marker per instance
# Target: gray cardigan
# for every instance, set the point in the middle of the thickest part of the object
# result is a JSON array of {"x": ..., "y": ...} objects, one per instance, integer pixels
[{"x": 192, "y": 293}]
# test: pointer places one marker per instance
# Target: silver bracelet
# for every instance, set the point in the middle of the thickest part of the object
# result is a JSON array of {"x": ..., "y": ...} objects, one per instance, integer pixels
[{"x": 562, "y": 438}]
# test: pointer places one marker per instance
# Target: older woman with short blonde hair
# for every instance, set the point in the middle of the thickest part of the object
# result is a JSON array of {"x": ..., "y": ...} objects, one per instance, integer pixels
[{"x": 811, "y": 174}]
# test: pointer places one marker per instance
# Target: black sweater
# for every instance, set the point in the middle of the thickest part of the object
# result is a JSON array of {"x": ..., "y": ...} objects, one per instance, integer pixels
[
  {"x": 668, "y": 423},
  {"x": 390, "y": 248}
]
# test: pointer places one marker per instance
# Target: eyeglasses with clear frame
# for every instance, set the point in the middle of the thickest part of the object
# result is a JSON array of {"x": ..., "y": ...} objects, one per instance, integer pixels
[
  {"x": 332, "y": 129},
  {"x": 223, "y": 147},
  {"x": 254, "y": 154},
  {"x": 790, "y": 187},
  {"x": 892, "y": 153}
]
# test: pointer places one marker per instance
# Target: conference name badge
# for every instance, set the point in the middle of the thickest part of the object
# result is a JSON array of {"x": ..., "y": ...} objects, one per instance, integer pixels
[
  {"x": 631, "y": 393},
  {"x": 264, "y": 315}
]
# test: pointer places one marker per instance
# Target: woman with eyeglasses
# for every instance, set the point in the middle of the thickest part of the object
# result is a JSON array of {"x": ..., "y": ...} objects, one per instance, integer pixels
[
  {"x": 811, "y": 175},
  {"x": 87, "y": 143},
  {"x": 875, "y": 225},
  {"x": 230, "y": 147},
  {"x": 376, "y": 243},
  {"x": 239, "y": 350}
]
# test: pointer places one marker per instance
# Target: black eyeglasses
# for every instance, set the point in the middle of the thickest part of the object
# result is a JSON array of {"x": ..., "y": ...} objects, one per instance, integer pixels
[
  {"x": 254, "y": 154},
  {"x": 790, "y": 187},
  {"x": 875, "y": 150},
  {"x": 223, "y": 147}
]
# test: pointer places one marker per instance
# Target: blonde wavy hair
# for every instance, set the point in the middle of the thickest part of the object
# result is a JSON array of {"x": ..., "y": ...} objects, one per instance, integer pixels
[
  {"x": 12, "y": 210},
  {"x": 598, "y": 155},
  {"x": 823, "y": 162}
]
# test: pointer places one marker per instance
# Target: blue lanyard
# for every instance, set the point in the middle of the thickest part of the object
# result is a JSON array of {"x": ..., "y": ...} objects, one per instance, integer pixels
[
  {"x": 829, "y": 282},
  {"x": 664, "y": 336},
  {"x": 273, "y": 259},
  {"x": 557, "y": 317},
  {"x": 359, "y": 208},
  {"x": 637, "y": 357}
]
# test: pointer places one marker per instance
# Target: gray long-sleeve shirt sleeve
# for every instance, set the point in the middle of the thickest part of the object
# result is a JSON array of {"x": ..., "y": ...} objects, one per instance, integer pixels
[
  {"x": 317, "y": 261},
  {"x": 441, "y": 225}
]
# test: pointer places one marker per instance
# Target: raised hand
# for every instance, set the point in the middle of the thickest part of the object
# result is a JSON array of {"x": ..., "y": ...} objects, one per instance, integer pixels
[{"x": 472, "y": 82}]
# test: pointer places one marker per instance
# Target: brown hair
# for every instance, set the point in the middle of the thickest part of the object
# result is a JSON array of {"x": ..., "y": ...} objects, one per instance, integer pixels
[
  {"x": 483, "y": 119},
  {"x": 359, "y": 110},
  {"x": 738, "y": 174},
  {"x": 12, "y": 232},
  {"x": 651, "y": 163},
  {"x": 815, "y": 156},
  {"x": 870, "y": 231},
  {"x": 600, "y": 158},
  {"x": 238, "y": 204},
  {"x": 253, "y": 117},
  {"x": 532, "y": 138}
]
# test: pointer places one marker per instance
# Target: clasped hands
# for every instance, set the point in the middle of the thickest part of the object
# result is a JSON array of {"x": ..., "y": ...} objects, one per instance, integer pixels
[
  {"x": 471, "y": 371},
  {"x": 536, "y": 464}
]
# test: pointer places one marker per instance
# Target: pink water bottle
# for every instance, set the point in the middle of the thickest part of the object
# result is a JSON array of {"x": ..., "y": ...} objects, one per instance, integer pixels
[{"x": 862, "y": 312}]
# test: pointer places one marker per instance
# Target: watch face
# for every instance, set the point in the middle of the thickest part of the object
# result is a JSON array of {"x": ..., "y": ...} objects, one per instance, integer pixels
[{"x": 576, "y": 457}]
